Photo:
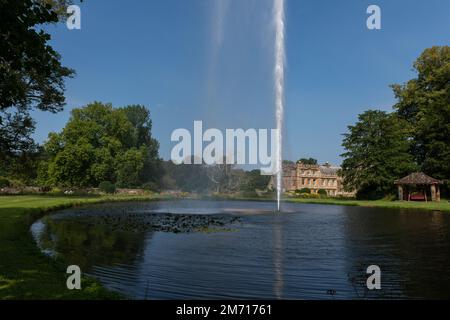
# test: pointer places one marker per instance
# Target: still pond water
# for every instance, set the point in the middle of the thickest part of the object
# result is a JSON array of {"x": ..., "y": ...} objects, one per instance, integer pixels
[{"x": 243, "y": 250}]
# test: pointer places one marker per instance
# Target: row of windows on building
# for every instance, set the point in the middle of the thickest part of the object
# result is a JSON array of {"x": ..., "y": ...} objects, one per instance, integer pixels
[
  {"x": 319, "y": 182},
  {"x": 308, "y": 172},
  {"x": 311, "y": 173}
]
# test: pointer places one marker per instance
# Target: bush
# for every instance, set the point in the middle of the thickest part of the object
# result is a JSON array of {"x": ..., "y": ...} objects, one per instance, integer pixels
[
  {"x": 370, "y": 192},
  {"x": 304, "y": 190},
  {"x": 107, "y": 187},
  {"x": 249, "y": 194},
  {"x": 56, "y": 191},
  {"x": 4, "y": 183},
  {"x": 46, "y": 189},
  {"x": 390, "y": 197},
  {"x": 11, "y": 183},
  {"x": 309, "y": 196},
  {"x": 151, "y": 186},
  {"x": 322, "y": 192}
]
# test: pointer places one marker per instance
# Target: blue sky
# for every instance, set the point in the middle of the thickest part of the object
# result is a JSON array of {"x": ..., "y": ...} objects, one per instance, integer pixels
[{"x": 212, "y": 60}]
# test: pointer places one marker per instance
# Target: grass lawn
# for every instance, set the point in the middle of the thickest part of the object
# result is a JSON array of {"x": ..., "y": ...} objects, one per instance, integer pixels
[
  {"x": 25, "y": 273},
  {"x": 444, "y": 205}
]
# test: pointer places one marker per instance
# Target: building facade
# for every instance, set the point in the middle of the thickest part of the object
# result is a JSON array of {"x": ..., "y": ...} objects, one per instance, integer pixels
[{"x": 297, "y": 176}]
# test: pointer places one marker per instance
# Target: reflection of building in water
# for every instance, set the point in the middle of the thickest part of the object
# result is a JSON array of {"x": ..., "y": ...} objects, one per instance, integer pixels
[{"x": 298, "y": 176}]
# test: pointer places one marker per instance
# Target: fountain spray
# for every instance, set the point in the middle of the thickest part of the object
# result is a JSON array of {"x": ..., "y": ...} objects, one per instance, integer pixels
[{"x": 280, "y": 59}]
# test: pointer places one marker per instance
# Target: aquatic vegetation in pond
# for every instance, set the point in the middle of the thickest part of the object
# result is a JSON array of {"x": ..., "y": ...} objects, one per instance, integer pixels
[
  {"x": 87, "y": 244},
  {"x": 116, "y": 237},
  {"x": 166, "y": 222}
]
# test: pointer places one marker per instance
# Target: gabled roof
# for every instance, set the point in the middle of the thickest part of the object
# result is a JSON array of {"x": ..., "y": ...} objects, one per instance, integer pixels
[{"x": 418, "y": 178}]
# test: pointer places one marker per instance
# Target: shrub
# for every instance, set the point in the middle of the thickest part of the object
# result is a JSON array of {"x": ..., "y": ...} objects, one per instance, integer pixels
[
  {"x": 151, "y": 186},
  {"x": 313, "y": 196},
  {"x": 107, "y": 187},
  {"x": 290, "y": 194},
  {"x": 56, "y": 191},
  {"x": 322, "y": 192},
  {"x": 390, "y": 197},
  {"x": 4, "y": 183},
  {"x": 309, "y": 196},
  {"x": 369, "y": 192},
  {"x": 11, "y": 183},
  {"x": 304, "y": 190},
  {"x": 45, "y": 189},
  {"x": 249, "y": 194}
]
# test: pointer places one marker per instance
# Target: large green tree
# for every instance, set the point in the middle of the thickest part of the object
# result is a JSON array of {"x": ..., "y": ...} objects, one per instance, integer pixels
[
  {"x": 310, "y": 161},
  {"x": 101, "y": 143},
  {"x": 377, "y": 153},
  {"x": 254, "y": 180},
  {"x": 424, "y": 104},
  {"x": 142, "y": 140},
  {"x": 31, "y": 74},
  {"x": 186, "y": 177}
]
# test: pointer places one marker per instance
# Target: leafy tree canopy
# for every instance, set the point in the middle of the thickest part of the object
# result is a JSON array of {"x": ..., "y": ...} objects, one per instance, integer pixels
[
  {"x": 377, "y": 153},
  {"x": 310, "y": 161},
  {"x": 424, "y": 104},
  {"x": 31, "y": 74},
  {"x": 102, "y": 143},
  {"x": 255, "y": 180}
]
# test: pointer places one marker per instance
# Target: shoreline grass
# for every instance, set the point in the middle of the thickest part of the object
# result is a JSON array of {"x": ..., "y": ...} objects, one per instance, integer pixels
[
  {"x": 25, "y": 272},
  {"x": 443, "y": 206}
]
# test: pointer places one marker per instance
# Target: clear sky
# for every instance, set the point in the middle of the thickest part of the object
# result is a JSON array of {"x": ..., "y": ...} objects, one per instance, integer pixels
[{"x": 212, "y": 60}]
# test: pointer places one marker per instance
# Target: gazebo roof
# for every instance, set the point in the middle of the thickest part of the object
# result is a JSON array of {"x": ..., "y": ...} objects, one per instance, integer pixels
[{"x": 418, "y": 178}]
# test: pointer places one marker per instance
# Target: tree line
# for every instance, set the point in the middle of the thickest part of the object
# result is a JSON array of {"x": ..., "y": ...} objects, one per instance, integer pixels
[
  {"x": 100, "y": 144},
  {"x": 384, "y": 146}
]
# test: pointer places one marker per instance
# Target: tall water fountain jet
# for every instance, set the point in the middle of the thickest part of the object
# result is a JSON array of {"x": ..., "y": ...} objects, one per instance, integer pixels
[{"x": 280, "y": 59}]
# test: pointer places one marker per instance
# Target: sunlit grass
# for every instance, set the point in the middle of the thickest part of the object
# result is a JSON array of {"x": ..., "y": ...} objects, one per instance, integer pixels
[
  {"x": 25, "y": 273},
  {"x": 443, "y": 205}
]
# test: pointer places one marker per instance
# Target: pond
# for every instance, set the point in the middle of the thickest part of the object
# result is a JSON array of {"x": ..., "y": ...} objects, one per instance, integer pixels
[{"x": 192, "y": 249}]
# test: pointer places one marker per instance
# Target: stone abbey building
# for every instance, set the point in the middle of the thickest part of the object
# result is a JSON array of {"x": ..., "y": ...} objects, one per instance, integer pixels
[{"x": 298, "y": 175}]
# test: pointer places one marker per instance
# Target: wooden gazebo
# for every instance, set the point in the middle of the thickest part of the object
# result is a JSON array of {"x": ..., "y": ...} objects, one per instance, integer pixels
[{"x": 421, "y": 181}]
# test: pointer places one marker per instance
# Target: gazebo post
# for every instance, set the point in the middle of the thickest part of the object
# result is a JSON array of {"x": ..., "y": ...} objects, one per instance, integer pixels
[
  {"x": 433, "y": 192},
  {"x": 400, "y": 192},
  {"x": 438, "y": 193}
]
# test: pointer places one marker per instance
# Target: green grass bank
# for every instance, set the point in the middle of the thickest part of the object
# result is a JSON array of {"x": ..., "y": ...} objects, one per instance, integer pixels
[
  {"x": 443, "y": 206},
  {"x": 25, "y": 273}
]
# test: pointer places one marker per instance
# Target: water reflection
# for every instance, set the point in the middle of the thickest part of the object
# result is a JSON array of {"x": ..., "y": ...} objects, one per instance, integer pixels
[
  {"x": 86, "y": 244},
  {"x": 307, "y": 252},
  {"x": 410, "y": 247}
]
